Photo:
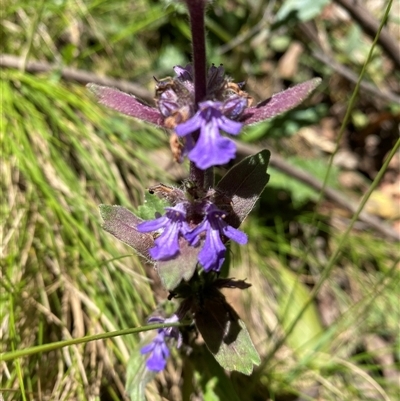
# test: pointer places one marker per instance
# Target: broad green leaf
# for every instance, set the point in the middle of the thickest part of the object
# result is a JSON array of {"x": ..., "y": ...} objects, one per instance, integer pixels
[
  {"x": 243, "y": 185},
  {"x": 173, "y": 271},
  {"x": 225, "y": 334},
  {"x": 121, "y": 223}
]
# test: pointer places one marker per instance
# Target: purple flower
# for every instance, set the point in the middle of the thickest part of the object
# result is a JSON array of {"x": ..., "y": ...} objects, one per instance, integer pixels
[
  {"x": 173, "y": 223},
  {"x": 185, "y": 75},
  {"x": 212, "y": 254},
  {"x": 158, "y": 349},
  {"x": 159, "y": 353},
  {"x": 211, "y": 148}
]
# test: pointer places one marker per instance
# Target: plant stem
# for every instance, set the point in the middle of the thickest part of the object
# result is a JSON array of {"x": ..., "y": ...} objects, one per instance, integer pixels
[
  {"x": 9, "y": 356},
  {"x": 197, "y": 176},
  {"x": 202, "y": 179},
  {"x": 196, "y": 10}
]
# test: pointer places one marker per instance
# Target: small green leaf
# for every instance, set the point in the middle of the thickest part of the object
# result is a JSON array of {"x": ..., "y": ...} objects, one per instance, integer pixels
[
  {"x": 121, "y": 223},
  {"x": 172, "y": 272},
  {"x": 152, "y": 205},
  {"x": 243, "y": 184},
  {"x": 225, "y": 334}
]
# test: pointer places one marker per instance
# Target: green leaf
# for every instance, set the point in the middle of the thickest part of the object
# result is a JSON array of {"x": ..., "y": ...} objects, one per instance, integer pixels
[
  {"x": 137, "y": 376},
  {"x": 243, "y": 185},
  {"x": 209, "y": 390},
  {"x": 152, "y": 205},
  {"x": 225, "y": 334},
  {"x": 173, "y": 271},
  {"x": 214, "y": 382},
  {"x": 121, "y": 223},
  {"x": 305, "y": 337}
]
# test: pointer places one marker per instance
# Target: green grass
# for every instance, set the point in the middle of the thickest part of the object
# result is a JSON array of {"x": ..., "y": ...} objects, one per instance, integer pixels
[{"x": 63, "y": 277}]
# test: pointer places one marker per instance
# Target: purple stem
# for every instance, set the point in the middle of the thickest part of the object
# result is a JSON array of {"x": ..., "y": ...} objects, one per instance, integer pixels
[
  {"x": 197, "y": 176},
  {"x": 196, "y": 10}
]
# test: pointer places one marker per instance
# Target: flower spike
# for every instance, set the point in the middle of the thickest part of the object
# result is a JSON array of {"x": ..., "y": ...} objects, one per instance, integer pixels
[{"x": 201, "y": 108}]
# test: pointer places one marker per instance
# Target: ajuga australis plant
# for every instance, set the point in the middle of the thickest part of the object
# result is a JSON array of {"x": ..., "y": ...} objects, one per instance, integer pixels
[{"x": 201, "y": 107}]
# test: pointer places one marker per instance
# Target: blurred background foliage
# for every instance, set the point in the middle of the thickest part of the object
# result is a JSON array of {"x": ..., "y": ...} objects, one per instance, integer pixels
[{"x": 62, "y": 155}]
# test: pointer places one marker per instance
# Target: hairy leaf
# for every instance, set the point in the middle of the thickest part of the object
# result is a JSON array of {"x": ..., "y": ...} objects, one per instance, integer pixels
[
  {"x": 172, "y": 272},
  {"x": 121, "y": 223},
  {"x": 126, "y": 104},
  {"x": 215, "y": 383},
  {"x": 243, "y": 184},
  {"x": 225, "y": 334},
  {"x": 280, "y": 102}
]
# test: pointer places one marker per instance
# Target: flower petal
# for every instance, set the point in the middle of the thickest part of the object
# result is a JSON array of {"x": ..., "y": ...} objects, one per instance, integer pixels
[
  {"x": 167, "y": 244},
  {"x": 234, "y": 106},
  {"x": 212, "y": 149},
  {"x": 159, "y": 353},
  {"x": 193, "y": 236},
  {"x": 236, "y": 235},
  {"x": 152, "y": 225},
  {"x": 189, "y": 126},
  {"x": 147, "y": 348},
  {"x": 184, "y": 73},
  {"x": 212, "y": 254},
  {"x": 229, "y": 126},
  {"x": 158, "y": 349},
  {"x": 158, "y": 359}
]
